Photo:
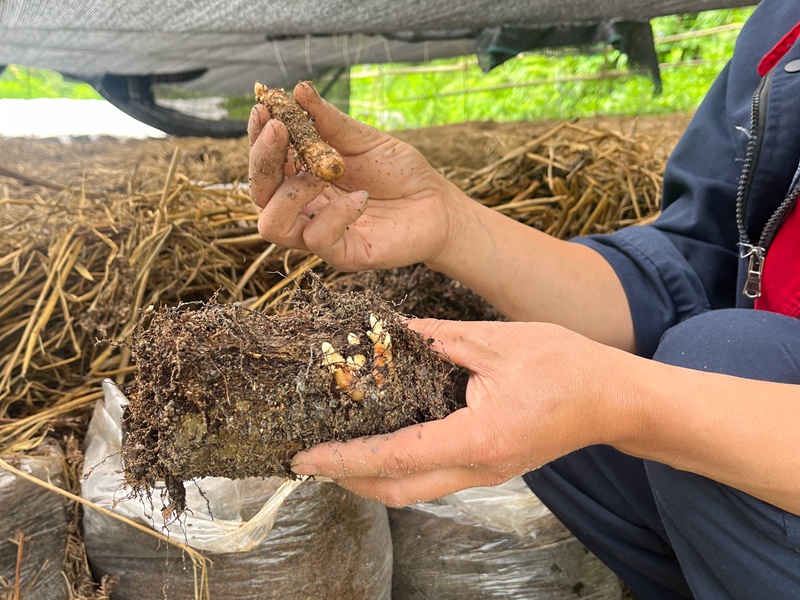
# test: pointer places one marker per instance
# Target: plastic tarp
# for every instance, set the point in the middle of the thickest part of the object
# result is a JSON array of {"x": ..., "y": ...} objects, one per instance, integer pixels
[{"x": 233, "y": 42}]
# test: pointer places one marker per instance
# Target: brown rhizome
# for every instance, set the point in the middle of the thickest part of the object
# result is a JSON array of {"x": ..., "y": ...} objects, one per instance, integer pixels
[{"x": 317, "y": 156}]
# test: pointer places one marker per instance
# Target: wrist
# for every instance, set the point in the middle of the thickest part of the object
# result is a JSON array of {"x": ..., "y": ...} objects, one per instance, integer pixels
[
  {"x": 659, "y": 418},
  {"x": 620, "y": 400},
  {"x": 461, "y": 235}
]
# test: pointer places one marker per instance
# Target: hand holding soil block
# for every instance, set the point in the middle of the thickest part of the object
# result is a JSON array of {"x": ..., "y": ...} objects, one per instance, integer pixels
[{"x": 224, "y": 391}]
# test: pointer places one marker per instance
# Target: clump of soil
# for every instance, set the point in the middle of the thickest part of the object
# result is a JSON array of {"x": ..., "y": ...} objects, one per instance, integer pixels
[
  {"x": 422, "y": 292},
  {"x": 426, "y": 294},
  {"x": 224, "y": 391}
]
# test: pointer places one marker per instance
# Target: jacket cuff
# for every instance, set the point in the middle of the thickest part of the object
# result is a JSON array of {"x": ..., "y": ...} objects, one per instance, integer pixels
[{"x": 661, "y": 287}]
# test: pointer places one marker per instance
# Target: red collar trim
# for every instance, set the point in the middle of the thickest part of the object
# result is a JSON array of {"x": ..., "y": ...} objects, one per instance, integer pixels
[{"x": 772, "y": 57}]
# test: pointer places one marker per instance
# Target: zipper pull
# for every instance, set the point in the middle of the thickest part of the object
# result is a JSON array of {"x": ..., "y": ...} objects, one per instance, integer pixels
[{"x": 755, "y": 266}]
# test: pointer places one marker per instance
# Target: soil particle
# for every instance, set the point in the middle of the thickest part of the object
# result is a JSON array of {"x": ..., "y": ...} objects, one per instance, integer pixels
[{"x": 223, "y": 391}]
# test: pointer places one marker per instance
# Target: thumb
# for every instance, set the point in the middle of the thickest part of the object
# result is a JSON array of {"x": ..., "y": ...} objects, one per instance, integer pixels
[
  {"x": 458, "y": 341},
  {"x": 339, "y": 130}
]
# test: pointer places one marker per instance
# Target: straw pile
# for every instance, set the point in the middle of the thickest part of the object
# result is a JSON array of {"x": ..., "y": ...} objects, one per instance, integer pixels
[
  {"x": 76, "y": 264},
  {"x": 570, "y": 181},
  {"x": 91, "y": 233}
]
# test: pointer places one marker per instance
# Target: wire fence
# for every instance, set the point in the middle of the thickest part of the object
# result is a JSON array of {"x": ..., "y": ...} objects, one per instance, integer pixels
[{"x": 537, "y": 86}]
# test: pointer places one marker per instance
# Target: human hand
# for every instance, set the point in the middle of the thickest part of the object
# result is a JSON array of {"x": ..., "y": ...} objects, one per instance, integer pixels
[
  {"x": 536, "y": 392},
  {"x": 391, "y": 208}
]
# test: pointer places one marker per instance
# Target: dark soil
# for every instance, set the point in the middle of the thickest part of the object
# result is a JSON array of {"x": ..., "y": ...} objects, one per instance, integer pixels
[
  {"x": 421, "y": 292},
  {"x": 223, "y": 391}
]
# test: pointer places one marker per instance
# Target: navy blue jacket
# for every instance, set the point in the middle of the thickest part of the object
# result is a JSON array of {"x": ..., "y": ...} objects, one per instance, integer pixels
[{"x": 687, "y": 262}]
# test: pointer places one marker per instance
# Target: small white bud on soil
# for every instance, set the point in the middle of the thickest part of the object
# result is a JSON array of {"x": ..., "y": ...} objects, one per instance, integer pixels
[
  {"x": 330, "y": 357},
  {"x": 377, "y": 328}
]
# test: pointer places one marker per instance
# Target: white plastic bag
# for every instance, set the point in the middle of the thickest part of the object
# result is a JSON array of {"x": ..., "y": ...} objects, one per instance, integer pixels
[
  {"x": 221, "y": 530},
  {"x": 492, "y": 542},
  {"x": 510, "y": 506}
]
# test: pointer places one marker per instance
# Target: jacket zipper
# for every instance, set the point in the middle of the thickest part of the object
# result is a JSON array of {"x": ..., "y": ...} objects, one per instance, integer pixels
[{"x": 756, "y": 253}]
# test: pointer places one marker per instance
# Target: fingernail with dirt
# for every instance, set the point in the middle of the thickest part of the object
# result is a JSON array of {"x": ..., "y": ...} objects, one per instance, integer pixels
[
  {"x": 305, "y": 469},
  {"x": 269, "y": 135},
  {"x": 254, "y": 121}
]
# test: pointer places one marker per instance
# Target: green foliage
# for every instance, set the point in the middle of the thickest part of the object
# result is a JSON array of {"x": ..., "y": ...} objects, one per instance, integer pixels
[
  {"x": 577, "y": 85},
  {"x": 238, "y": 107},
  {"x": 29, "y": 82}
]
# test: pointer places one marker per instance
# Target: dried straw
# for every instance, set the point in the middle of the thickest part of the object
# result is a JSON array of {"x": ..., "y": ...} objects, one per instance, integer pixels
[
  {"x": 572, "y": 180},
  {"x": 74, "y": 268}
]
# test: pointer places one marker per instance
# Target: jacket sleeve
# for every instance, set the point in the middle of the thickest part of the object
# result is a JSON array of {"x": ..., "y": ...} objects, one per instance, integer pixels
[
  {"x": 685, "y": 263},
  {"x": 661, "y": 286}
]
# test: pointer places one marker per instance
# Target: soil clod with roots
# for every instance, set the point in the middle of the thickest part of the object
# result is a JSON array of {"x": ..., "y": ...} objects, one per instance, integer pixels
[{"x": 224, "y": 391}]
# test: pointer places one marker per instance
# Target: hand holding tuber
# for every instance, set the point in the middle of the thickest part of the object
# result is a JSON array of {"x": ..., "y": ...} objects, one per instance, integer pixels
[{"x": 390, "y": 207}]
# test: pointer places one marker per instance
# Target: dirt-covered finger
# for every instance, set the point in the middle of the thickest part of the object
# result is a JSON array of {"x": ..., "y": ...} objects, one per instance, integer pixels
[
  {"x": 327, "y": 229},
  {"x": 278, "y": 222},
  {"x": 267, "y": 162},
  {"x": 258, "y": 118},
  {"x": 341, "y": 131},
  {"x": 466, "y": 344},
  {"x": 422, "y": 487},
  {"x": 415, "y": 449}
]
